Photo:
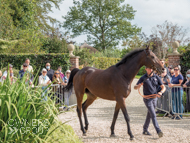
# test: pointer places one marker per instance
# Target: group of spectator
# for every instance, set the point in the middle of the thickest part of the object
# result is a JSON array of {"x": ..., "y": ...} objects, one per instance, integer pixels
[
  {"x": 174, "y": 80},
  {"x": 46, "y": 77}
]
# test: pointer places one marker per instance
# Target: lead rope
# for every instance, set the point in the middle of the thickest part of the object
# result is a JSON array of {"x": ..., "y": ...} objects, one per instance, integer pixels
[{"x": 149, "y": 96}]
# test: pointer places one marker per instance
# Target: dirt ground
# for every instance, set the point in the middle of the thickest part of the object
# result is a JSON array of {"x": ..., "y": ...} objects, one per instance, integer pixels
[{"x": 100, "y": 115}]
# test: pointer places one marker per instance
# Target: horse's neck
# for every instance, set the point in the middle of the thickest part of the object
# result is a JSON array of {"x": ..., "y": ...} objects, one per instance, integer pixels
[{"x": 132, "y": 66}]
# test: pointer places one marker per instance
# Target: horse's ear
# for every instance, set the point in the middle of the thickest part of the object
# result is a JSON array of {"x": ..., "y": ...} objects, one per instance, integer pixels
[{"x": 147, "y": 47}]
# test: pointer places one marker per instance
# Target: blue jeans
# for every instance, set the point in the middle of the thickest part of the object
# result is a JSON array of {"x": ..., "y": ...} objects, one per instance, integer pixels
[
  {"x": 151, "y": 105},
  {"x": 177, "y": 101},
  {"x": 67, "y": 95},
  {"x": 44, "y": 93}
]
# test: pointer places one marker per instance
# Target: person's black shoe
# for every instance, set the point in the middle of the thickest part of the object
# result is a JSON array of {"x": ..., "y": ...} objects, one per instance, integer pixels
[
  {"x": 146, "y": 133},
  {"x": 160, "y": 134}
]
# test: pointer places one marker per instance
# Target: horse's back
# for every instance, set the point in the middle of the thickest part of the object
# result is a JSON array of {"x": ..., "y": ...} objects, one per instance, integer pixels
[{"x": 101, "y": 83}]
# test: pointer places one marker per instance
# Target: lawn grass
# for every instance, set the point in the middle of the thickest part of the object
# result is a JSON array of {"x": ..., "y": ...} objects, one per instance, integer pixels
[
  {"x": 84, "y": 97},
  {"x": 138, "y": 76}
]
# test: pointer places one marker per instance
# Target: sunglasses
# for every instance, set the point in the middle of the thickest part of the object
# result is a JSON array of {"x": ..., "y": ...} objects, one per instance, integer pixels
[
  {"x": 68, "y": 73},
  {"x": 25, "y": 66},
  {"x": 172, "y": 73},
  {"x": 44, "y": 72},
  {"x": 56, "y": 73},
  {"x": 176, "y": 69}
]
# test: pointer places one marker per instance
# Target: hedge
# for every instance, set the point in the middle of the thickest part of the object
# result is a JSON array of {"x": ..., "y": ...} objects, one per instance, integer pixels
[
  {"x": 38, "y": 61},
  {"x": 185, "y": 62},
  {"x": 104, "y": 62}
]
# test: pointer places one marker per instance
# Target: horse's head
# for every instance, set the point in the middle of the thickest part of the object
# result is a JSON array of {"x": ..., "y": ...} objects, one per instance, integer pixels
[{"x": 152, "y": 61}]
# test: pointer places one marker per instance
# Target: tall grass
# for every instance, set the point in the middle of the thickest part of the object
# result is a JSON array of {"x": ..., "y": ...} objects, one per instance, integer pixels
[{"x": 25, "y": 117}]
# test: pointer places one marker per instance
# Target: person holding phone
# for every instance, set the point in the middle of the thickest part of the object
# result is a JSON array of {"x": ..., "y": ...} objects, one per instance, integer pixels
[
  {"x": 66, "y": 78},
  {"x": 57, "y": 88}
]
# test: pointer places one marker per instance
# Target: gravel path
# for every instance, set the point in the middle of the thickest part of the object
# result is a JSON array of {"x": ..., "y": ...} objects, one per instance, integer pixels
[{"x": 100, "y": 115}]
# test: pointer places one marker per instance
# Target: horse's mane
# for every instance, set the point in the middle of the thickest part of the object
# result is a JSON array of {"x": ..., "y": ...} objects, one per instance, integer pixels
[{"x": 128, "y": 56}]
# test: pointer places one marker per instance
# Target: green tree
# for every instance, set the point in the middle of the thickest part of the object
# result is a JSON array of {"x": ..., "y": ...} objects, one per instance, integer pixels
[
  {"x": 105, "y": 22},
  {"x": 43, "y": 8},
  {"x": 133, "y": 43},
  {"x": 24, "y": 21}
]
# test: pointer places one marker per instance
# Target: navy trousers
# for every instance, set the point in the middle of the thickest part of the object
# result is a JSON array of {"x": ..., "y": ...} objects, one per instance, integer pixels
[{"x": 151, "y": 105}]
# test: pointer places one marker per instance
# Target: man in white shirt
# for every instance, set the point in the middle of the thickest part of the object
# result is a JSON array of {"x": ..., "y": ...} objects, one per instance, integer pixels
[{"x": 30, "y": 68}]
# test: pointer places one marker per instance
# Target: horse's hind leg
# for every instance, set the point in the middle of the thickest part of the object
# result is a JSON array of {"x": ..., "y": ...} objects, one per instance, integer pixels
[
  {"x": 79, "y": 110},
  {"x": 117, "y": 108},
  {"x": 90, "y": 99},
  {"x": 121, "y": 102}
]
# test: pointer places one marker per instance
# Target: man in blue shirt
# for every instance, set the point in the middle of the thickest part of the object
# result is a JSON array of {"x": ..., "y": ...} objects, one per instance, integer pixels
[{"x": 150, "y": 82}]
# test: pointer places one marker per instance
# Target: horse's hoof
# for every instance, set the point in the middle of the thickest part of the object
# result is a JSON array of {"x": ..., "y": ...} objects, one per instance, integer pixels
[
  {"x": 112, "y": 135},
  {"x": 84, "y": 134},
  {"x": 85, "y": 130},
  {"x": 131, "y": 138}
]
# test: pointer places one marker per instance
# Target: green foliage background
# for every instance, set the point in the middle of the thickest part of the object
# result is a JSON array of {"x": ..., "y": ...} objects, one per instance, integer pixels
[{"x": 185, "y": 62}]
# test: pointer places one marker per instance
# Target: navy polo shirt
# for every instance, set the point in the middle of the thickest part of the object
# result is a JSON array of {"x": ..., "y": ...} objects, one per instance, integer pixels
[{"x": 151, "y": 85}]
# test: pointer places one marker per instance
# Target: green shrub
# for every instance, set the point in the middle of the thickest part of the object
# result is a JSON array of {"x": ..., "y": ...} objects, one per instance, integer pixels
[
  {"x": 111, "y": 53},
  {"x": 85, "y": 56},
  {"x": 185, "y": 62},
  {"x": 54, "y": 45},
  {"x": 38, "y": 61},
  {"x": 184, "y": 100},
  {"x": 104, "y": 62},
  {"x": 25, "y": 117},
  {"x": 142, "y": 71}
]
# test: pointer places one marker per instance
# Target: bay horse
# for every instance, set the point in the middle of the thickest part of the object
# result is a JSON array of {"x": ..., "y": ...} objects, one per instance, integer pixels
[{"x": 113, "y": 84}]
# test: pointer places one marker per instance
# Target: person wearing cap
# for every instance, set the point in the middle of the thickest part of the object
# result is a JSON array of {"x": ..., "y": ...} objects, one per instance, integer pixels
[
  {"x": 66, "y": 78},
  {"x": 5, "y": 72},
  {"x": 23, "y": 71},
  {"x": 44, "y": 81},
  {"x": 30, "y": 68},
  {"x": 50, "y": 72},
  {"x": 177, "y": 93},
  {"x": 151, "y": 82}
]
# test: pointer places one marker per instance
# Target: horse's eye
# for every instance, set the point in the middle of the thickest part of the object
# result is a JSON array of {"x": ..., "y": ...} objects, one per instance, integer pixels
[{"x": 152, "y": 57}]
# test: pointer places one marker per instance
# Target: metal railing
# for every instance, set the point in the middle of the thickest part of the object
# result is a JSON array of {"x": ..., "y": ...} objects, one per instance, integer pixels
[
  {"x": 175, "y": 101},
  {"x": 55, "y": 91}
]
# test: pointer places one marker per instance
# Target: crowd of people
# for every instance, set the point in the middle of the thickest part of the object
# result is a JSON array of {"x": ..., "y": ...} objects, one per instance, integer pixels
[{"x": 46, "y": 77}]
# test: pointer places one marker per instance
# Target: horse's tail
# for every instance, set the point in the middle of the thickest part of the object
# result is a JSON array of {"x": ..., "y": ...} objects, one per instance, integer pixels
[{"x": 70, "y": 83}]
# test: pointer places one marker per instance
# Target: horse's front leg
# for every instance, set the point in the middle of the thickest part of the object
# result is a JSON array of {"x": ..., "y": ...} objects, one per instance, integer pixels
[
  {"x": 121, "y": 102},
  {"x": 117, "y": 108}
]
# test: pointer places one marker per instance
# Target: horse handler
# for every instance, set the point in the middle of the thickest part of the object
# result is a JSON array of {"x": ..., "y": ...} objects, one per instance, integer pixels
[{"x": 151, "y": 82}]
